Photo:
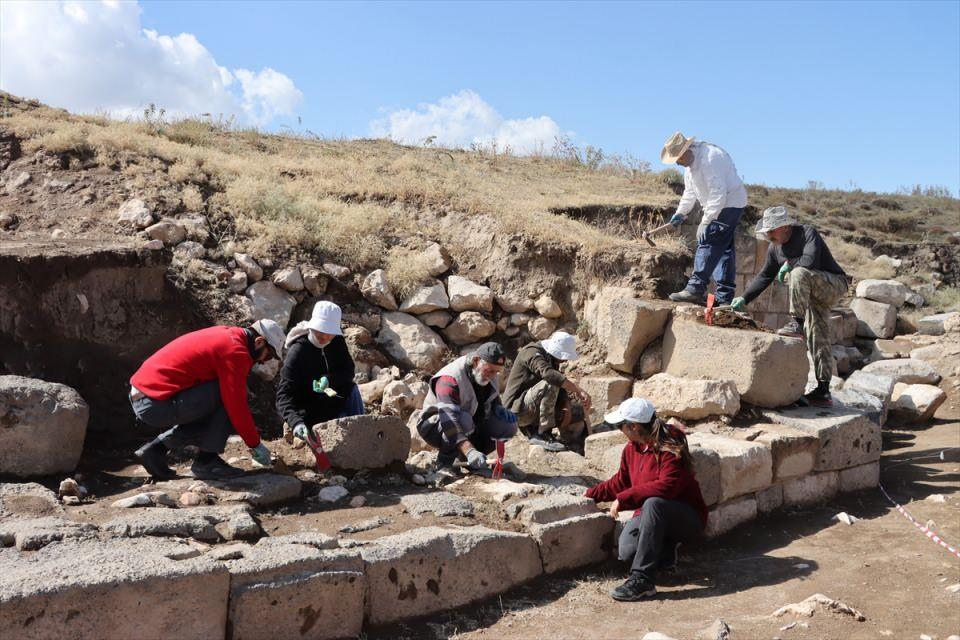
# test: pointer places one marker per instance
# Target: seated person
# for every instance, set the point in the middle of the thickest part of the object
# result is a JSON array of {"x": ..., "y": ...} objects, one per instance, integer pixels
[
  {"x": 316, "y": 382},
  {"x": 462, "y": 415},
  {"x": 656, "y": 478},
  {"x": 536, "y": 389}
]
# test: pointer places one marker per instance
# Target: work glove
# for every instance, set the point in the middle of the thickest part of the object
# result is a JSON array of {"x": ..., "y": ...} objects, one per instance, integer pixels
[
  {"x": 738, "y": 304},
  {"x": 319, "y": 386},
  {"x": 261, "y": 455},
  {"x": 301, "y": 431},
  {"x": 783, "y": 272},
  {"x": 476, "y": 460},
  {"x": 702, "y": 233},
  {"x": 677, "y": 219},
  {"x": 504, "y": 414}
]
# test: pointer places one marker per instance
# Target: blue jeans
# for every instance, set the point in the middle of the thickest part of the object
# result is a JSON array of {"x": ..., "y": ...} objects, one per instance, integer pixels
[
  {"x": 716, "y": 257},
  {"x": 354, "y": 404}
]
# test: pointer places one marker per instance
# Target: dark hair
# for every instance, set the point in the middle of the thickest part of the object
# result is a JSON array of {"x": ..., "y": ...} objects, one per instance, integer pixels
[{"x": 667, "y": 437}]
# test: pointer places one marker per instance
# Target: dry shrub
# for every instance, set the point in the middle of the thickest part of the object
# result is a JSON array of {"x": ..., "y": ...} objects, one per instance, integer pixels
[
  {"x": 858, "y": 261},
  {"x": 190, "y": 131},
  {"x": 406, "y": 270},
  {"x": 191, "y": 198},
  {"x": 71, "y": 138}
]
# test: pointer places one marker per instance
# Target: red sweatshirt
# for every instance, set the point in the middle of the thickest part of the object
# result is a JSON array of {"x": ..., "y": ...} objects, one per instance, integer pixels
[
  {"x": 643, "y": 474},
  {"x": 216, "y": 353}
]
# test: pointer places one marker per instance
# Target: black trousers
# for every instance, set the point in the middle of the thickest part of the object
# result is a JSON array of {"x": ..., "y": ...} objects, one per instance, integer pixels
[
  {"x": 661, "y": 524},
  {"x": 195, "y": 416}
]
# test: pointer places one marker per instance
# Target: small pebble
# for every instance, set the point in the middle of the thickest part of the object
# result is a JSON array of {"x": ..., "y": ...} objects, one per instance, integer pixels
[
  {"x": 358, "y": 501},
  {"x": 190, "y": 499},
  {"x": 418, "y": 479}
]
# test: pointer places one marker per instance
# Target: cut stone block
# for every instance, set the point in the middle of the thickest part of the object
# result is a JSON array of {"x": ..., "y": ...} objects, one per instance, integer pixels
[
  {"x": 905, "y": 370},
  {"x": 810, "y": 489},
  {"x": 745, "y": 467},
  {"x": 295, "y": 591},
  {"x": 30, "y": 534},
  {"x": 706, "y": 468},
  {"x": 874, "y": 319},
  {"x": 195, "y": 522},
  {"x": 623, "y": 325},
  {"x": 689, "y": 399},
  {"x": 432, "y": 569},
  {"x": 847, "y": 437},
  {"x": 934, "y": 325},
  {"x": 865, "y": 476},
  {"x": 364, "y": 442},
  {"x": 916, "y": 402},
  {"x": 551, "y": 508},
  {"x": 880, "y": 386},
  {"x": 111, "y": 589},
  {"x": 944, "y": 356},
  {"x": 770, "y": 499},
  {"x": 574, "y": 542},
  {"x": 888, "y": 291},
  {"x": 728, "y": 515},
  {"x": 42, "y": 427},
  {"x": 769, "y": 370},
  {"x": 439, "y": 503},
  {"x": 603, "y": 451},
  {"x": 258, "y": 489},
  {"x": 794, "y": 451},
  {"x": 857, "y": 400},
  {"x": 27, "y": 500},
  {"x": 606, "y": 392}
]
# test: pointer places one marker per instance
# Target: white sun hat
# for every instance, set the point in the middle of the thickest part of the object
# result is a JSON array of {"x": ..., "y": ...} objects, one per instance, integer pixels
[
  {"x": 561, "y": 345},
  {"x": 272, "y": 333},
  {"x": 326, "y": 318},
  {"x": 631, "y": 410},
  {"x": 773, "y": 218}
]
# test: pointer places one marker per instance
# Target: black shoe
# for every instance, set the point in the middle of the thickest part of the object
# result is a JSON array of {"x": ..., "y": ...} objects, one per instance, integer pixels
[
  {"x": 819, "y": 397},
  {"x": 689, "y": 296},
  {"x": 215, "y": 469},
  {"x": 153, "y": 457},
  {"x": 635, "y": 588},
  {"x": 793, "y": 329},
  {"x": 669, "y": 558},
  {"x": 547, "y": 441}
]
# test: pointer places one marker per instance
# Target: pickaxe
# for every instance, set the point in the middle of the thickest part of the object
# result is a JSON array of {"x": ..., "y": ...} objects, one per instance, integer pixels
[{"x": 646, "y": 235}]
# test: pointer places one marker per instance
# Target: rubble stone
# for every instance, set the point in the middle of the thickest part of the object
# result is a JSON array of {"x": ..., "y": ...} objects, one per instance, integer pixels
[
  {"x": 270, "y": 301},
  {"x": 411, "y": 342},
  {"x": 514, "y": 302},
  {"x": 336, "y": 271},
  {"x": 727, "y": 515},
  {"x": 466, "y": 295},
  {"x": 541, "y": 328},
  {"x": 189, "y": 250},
  {"x": 438, "y": 259},
  {"x": 905, "y": 370},
  {"x": 426, "y": 299},
  {"x": 574, "y": 542},
  {"x": 289, "y": 279},
  {"x": 469, "y": 327},
  {"x": 934, "y": 325},
  {"x": 42, "y": 427},
  {"x": 167, "y": 231},
  {"x": 249, "y": 266},
  {"x": 810, "y": 489},
  {"x": 916, "y": 402},
  {"x": 136, "y": 213},
  {"x": 376, "y": 290},
  {"x": 439, "y": 503},
  {"x": 364, "y": 442},
  {"x": 439, "y": 319},
  {"x": 314, "y": 280},
  {"x": 888, "y": 291},
  {"x": 237, "y": 283},
  {"x": 874, "y": 319},
  {"x": 745, "y": 467},
  {"x": 547, "y": 307},
  {"x": 651, "y": 360},
  {"x": 847, "y": 437},
  {"x": 623, "y": 325},
  {"x": 689, "y": 399}
]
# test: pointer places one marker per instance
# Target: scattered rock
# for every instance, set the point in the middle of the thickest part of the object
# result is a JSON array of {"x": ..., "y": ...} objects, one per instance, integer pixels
[
  {"x": 818, "y": 602},
  {"x": 148, "y": 499},
  {"x": 70, "y": 487},
  {"x": 365, "y": 525},
  {"x": 20, "y": 180},
  {"x": 466, "y": 295},
  {"x": 846, "y": 518},
  {"x": 874, "y": 319},
  {"x": 357, "y": 501},
  {"x": 135, "y": 212},
  {"x": 270, "y": 301},
  {"x": 167, "y": 231},
  {"x": 469, "y": 327},
  {"x": 8, "y": 220},
  {"x": 548, "y": 307},
  {"x": 689, "y": 399},
  {"x": 190, "y": 499},
  {"x": 412, "y": 343},
  {"x": 888, "y": 291},
  {"x": 237, "y": 283},
  {"x": 249, "y": 266},
  {"x": 332, "y": 494},
  {"x": 541, "y": 328},
  {"x": 426, "y": 299},
  {"x": 376, "y": 290},
  {"x": 718, "y": 630},
  {"x": 905, "y": 370},
  {"x": 916, "y": 402},
  {"x": 288, "y": 278}
]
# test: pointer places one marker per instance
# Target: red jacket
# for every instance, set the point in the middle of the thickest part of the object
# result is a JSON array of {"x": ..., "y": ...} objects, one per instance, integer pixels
[
  {"x": 216, "y": 353},
  {"x": 643, "y": 474}
]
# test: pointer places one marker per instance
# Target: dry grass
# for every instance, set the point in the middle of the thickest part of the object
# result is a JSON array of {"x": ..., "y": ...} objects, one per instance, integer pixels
[{"x": 406, "y": 270}]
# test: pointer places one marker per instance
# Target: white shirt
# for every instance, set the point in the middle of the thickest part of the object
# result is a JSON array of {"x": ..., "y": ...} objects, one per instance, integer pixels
[{"x": 713, "y": 181}]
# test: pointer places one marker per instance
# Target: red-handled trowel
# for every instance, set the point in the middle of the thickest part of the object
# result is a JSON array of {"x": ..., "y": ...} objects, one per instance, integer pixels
[{"x": 313, "y": 441}]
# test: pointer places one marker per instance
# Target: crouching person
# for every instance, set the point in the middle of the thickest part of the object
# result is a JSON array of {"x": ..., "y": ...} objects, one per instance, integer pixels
[
  {"x": 656, "y": 479},
  {"x": 196, "y": 388},
  {"x": 462, "y": 414},
  {"x": 316, "y": 382},
  {"x": 540, "y": 395}
]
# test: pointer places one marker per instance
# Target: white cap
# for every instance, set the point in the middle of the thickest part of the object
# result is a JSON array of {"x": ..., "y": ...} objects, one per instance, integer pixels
[
  {"x": 326, "y": 318},
  {"x": 272, "y": 333},
  {"x": 561, "y": 345},
  {"x": 631, "y": 410}
]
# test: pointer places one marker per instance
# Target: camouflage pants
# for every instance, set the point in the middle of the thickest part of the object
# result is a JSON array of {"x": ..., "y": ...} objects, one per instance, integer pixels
[
  {"x": 538, "y": 405},
  {"x": 812, "y": 295}
]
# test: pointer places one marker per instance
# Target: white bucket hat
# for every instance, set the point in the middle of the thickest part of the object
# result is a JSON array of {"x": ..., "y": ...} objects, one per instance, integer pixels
[
  {"x": 675, "y": 147},
  {"x": 631, "y": 410},
  {"x": 561, "y": 345},
  {"x": 272, "y": 333},
  {"x": 326, "y": 318},
  {"x": 773, "y": 218}
]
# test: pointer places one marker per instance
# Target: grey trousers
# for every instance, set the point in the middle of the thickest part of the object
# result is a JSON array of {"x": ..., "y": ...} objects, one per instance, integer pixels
[
  {"x": 195, "y": 416},
  {"x": 482, "y": 436},
  {"x": 661, "y": 524}
]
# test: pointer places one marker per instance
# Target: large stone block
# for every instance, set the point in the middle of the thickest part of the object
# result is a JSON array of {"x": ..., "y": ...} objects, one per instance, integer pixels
[
  {"x": 727, "y": 515},
  {"x": 689, "y": 399},
  {"x": 112, "y": 589},
  {"x": 296, "y": 591},
  {"x": 769, "y": 370},
  {"x": 364, "y": 442},
  {"x": 745, "y": 467},
  {"x": 606, "y": 392},
  {"x": 944, "y": 356},
  {"x": 269, "y": 301},
  {"x": 623, "y": 325},
  {"x": 810, "y": 489},
  {"x": 551, "y": 508},
  {"x": 905, "y": 370},
  {"x": 42, "y": 427},
  {"x": 706, "y": 468},
  {"x": 874, "y": 319},
  {"x": 574, "y": 542},
  {"x": 935, "y": 325},
  {"x": 865, "y": 476},
  {"x": 412, "y": 343},
  {"x": 857, "y": 400},
  {"x": 432, "y": 569},
  {"x": 880, "y": 386},
  {"x": 770, "y": 498},
  {"x": 888, "y": 291},
  {"x": 847, "y": 436},
  {"x": 426, "y": 299},
  {"x": 794, "y": 451},
  {"x": 603, "y": 451},
  {"x": 916, "y": 402}
]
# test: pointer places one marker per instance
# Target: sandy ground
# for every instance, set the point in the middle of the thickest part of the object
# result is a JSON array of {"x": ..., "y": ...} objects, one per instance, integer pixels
[{"x": 882, "y": 566}]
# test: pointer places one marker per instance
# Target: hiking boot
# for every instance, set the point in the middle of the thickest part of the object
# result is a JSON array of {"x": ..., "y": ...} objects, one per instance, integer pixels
[
  {"x": 793, "y": 329},
  {"x": 819, "y": 397},
  {"x": 215, "y": 469},
  {"x": 153, "y": 457},
  {"x": 669, "y": 558},
  {"x": 547, "y": 442},
  {"x": 635, "y": 588},
  {"x": 689, "y": 296}
]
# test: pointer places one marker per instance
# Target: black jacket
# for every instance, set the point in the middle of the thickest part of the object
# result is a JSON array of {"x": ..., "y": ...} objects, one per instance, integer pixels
[
  {"x": 805, "y": 248},
  {"x": 532, "y": 365},
  {"x": 296, "y": 400}
]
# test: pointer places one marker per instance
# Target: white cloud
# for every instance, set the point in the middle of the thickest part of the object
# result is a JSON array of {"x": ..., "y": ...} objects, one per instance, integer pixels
[
  {"x": 93, "y": 56},
  {"x": 463, "y": 119}
]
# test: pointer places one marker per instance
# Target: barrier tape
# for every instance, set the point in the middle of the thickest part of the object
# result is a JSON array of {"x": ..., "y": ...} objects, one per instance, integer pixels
[{"x": 926, "y": 530}]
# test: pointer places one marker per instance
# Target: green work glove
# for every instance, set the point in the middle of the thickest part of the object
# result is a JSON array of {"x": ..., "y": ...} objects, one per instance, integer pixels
[
  {"x": 319, "y": 386},
  {"x": 261, "y": 454},
  {"x": 738, "y": 304},
  {"x": 301, "y": 431},
  {"x": 783, "y": 272}
]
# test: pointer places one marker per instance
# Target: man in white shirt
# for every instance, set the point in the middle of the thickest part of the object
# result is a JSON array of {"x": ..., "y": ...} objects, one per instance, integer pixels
[{"x": 710, "y": 178}]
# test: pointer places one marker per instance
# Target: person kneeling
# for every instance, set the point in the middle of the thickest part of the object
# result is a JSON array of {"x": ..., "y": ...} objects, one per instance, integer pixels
[
  {"x": 462, "y": 413},
  {"x": 656, "y": 478}
]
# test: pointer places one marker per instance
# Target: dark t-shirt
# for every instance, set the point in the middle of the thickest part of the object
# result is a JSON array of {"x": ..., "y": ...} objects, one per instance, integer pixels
[{"x": 805, "y": 248}]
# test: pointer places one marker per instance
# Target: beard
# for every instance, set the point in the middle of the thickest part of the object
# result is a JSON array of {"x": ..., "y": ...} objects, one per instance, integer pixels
[{"x": 478, "y": 377}]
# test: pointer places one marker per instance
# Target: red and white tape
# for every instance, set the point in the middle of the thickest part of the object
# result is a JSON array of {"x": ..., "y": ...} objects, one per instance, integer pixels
[{"x": 926, "y": 530}]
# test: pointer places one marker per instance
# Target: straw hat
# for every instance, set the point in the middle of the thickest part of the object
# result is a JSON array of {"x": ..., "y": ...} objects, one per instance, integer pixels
[
  {"x": 773, "y": 218},
  {"x": 674, "y": 148}
]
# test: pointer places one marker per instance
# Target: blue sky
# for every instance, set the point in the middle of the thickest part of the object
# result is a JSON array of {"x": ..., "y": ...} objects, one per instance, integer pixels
[{"x": 867, "y": 92}]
